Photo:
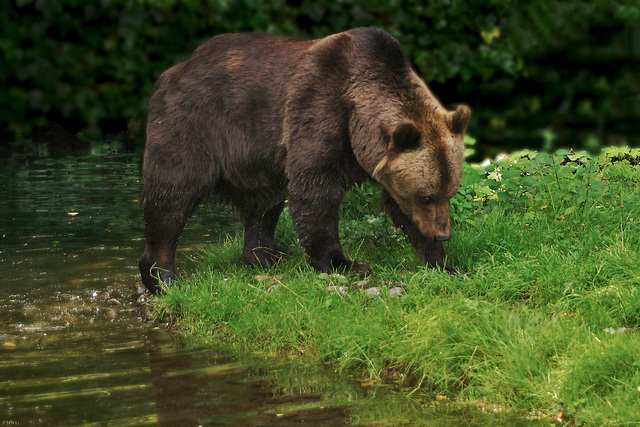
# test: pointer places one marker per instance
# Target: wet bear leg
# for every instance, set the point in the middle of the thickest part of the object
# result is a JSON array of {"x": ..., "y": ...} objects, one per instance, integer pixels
[
  {"x": 260, "y": 246},
  {"x": 430, "y": 251},
  {"x": 316, "y": 223},
  {"x": 164, "y": 218}
]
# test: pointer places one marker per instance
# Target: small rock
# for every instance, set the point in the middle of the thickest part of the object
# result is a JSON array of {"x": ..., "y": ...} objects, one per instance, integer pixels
[
  {"x": 339, "y": 289},
  {"x": 394, "y": 292},
  {"x": 266, "y": 279},
  {"x": 616, "y": 331},
  {"x": 373, "y": 291},
  {"x": 360, "y": 284}
]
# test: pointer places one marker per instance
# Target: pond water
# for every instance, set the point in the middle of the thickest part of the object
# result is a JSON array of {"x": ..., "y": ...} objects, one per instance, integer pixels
[{"x": 76, "y": 346}]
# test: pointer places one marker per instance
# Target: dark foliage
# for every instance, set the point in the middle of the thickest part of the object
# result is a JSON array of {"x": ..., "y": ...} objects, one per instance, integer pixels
[{"x": 566, "y": 67}]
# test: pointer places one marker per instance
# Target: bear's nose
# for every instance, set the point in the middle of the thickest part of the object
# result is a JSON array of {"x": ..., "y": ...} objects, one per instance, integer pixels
[{"x": 443, "y": 238}]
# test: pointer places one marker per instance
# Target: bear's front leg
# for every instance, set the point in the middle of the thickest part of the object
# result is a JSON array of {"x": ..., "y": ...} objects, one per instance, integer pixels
[
  {"x": 315, "y": 219},
  {"x": 430, "y": 251}
]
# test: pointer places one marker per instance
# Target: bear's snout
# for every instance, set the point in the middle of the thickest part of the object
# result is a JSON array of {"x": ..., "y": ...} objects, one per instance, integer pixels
[{"x": 432, "y": 220}]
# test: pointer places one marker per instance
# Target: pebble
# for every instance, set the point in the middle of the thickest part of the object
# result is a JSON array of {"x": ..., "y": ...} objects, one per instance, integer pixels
[
  {"x": 339, "y": 289},
  {"x": 616, "y": 331},
  {"x": 112, "y": 313},
  {"x": 373, "y": 291},
  {"x": 361, "y": 284},
  {"x": 394, "y": 292},
  {"x": 266, "y": 279}
]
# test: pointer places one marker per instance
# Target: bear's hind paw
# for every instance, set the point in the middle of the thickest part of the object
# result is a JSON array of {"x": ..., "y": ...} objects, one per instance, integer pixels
[
  {"x": 361, "y": 269},
  {"x": 264, "y": 257}
]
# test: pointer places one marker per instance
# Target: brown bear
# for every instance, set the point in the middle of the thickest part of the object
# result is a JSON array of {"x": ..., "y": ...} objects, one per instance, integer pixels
[{"x": 252, "y": 118}]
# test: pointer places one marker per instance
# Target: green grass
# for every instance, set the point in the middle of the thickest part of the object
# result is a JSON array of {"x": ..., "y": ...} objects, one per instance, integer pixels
[{"x": 546, "y": 321}]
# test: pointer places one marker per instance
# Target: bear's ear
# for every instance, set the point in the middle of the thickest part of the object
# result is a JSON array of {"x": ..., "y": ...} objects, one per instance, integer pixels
[
  {"x": 459, "y": 119},
  {"x": 406, "y": 137}
]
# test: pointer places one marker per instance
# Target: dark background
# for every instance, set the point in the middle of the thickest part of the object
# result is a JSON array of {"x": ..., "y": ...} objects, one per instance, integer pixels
[{"x": 537, "y": 74}]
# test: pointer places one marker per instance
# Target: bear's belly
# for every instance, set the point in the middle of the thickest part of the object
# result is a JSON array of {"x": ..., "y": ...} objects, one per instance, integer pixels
[{"x": 260, "y": 188}]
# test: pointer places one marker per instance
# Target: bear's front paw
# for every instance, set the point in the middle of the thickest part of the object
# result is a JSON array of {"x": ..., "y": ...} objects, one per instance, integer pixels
[{"x": 361, "y": 269}]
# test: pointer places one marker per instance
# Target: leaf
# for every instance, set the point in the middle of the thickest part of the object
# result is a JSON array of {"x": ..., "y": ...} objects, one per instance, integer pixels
[
  {"x": 489, "y": 36},
  {"x": 504, "y": 197},
  {"x": 508, "y": 173},
  {"x": 468, "y": 140},
  {"x": 468, "y": 152}
]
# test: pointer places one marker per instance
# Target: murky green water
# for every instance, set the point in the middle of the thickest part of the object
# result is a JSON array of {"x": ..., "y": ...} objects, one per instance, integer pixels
[{"x": 75, "y": 345}]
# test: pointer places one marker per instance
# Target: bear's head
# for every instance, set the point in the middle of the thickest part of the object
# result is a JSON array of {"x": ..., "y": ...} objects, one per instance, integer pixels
[{"x": 423, "y": 166}]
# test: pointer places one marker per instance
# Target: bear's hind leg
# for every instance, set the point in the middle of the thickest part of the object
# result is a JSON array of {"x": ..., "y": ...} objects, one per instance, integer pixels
[{"x": 260, "y": 246}]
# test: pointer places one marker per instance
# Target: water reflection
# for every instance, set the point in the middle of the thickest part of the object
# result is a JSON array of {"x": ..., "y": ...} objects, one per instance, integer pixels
[
  {"x": 198, "y": 387},
  {"x": 76, "y": 347}
]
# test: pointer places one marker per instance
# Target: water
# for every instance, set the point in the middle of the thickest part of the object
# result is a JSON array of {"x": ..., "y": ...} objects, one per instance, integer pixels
[{"x": 76, "y": 345}]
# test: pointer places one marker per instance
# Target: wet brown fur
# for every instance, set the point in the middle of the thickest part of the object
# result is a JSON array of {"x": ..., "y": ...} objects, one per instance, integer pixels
[{"x": 253, "y": 118}]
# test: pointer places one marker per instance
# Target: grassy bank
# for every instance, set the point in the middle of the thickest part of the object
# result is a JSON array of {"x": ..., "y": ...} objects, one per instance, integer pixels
[{"x": 546, "y": 321}]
